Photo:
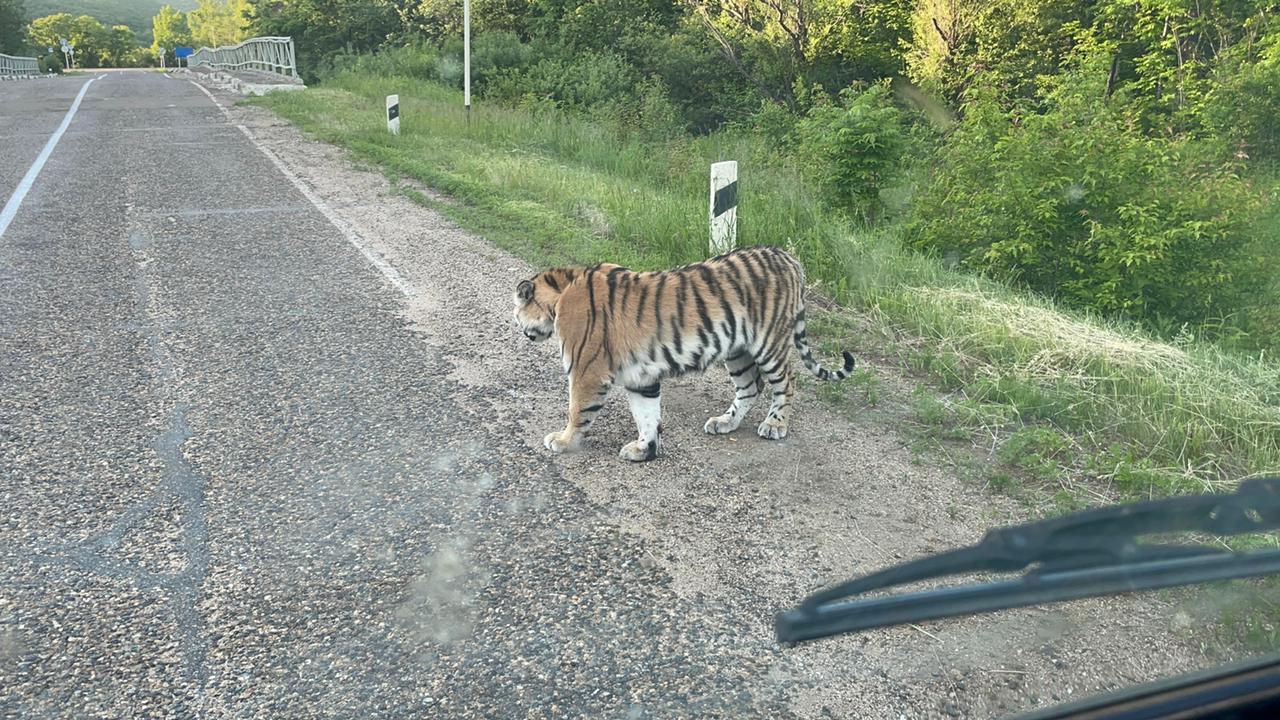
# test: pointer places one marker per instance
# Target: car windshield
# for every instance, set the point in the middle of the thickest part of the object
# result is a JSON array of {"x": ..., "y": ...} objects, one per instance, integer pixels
[{"x": 532, "y": 358}]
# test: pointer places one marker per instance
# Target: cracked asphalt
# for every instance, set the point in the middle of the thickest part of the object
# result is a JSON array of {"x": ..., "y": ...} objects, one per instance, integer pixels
[{"x": 243, "y": 475}]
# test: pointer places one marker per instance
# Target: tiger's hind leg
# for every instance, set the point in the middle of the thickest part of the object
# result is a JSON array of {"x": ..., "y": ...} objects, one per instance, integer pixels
[
  {"x": 782, "y": 385},
  {"x": 746, "y": 380}
]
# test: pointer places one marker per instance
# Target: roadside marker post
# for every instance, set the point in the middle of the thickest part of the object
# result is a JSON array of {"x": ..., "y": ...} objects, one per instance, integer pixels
[
  {"x": 466, "y": 57},
  {"x": 393, "y": 114},
  {"x": 724, "y": 206}
]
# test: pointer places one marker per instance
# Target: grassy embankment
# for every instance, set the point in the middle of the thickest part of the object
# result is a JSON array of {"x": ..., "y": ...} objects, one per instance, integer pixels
[{"x": 559, "y": 190}]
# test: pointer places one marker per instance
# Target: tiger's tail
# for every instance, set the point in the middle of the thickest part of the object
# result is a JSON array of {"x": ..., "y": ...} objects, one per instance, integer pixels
[{"x": 802, "y": 345}]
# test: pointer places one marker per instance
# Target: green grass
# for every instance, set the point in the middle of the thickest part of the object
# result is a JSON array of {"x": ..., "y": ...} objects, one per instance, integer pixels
[
  {"x": 1159, "y": 417},
  {"x": 1038, "y": 451}
]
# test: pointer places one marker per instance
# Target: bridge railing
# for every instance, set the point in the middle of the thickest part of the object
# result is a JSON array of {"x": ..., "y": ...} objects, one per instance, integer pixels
[
  {"x": 264, "y": 54},
  {"x": 13, "y": 66}
]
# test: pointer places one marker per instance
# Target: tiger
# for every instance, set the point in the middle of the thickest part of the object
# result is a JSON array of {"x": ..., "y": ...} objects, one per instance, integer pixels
[{"x": 744, "y": 308}]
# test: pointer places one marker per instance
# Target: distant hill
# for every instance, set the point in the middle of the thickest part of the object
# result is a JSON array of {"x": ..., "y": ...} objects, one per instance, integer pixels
[{"x": 136, "y": 14}]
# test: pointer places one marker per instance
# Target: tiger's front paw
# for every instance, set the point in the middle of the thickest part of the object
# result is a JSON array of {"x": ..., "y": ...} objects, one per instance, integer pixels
[
  {"x": 640, "y": 451},
  {"x": 772, "y": 429},
  {"x": 557, "y": 444},
  {"x": 720, "y": 425}
]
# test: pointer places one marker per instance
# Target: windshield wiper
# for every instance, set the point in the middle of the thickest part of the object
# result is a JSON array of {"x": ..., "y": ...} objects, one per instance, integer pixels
[{"x": 1095, "y": 552}]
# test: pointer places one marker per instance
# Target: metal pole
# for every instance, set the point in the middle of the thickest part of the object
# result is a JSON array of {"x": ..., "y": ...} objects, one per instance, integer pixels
[{"x": 466, "y": 57}]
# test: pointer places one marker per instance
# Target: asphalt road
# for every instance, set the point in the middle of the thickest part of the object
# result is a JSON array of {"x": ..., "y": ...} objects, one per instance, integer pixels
[
  {"x": 31, "y": 111},
  {"x": 236, "y": 484},
  {"x": 243, "y": 474}
]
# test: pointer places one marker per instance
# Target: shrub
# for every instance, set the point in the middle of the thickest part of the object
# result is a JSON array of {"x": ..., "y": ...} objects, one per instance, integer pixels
[
  {"x": 419, "y": 60},
  {"x": 1245, "y": 108},
  {"x": 648, "y": 115},
  {"x": 707, "y": 90},
  {"x": 774, "y": 125},
  {"x": 588, "y": 80},
  {"x": 494, "y": 55},
  {"x": 50, "y": 64},
  {"x": 1076, "y": 203},
  {"x": 849, "y": 150}
]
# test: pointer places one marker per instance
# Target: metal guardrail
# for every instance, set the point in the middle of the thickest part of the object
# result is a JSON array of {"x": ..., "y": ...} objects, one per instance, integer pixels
[
  {"x": 267, "y": 54},
  {"x": 14, "y": 66}
]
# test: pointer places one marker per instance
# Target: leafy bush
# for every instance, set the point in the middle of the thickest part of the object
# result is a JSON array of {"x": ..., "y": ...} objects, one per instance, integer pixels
[
  {"x": 849, "y": 150},
  {"x": 419, "y": 60},
  {"x": 707, "y": 91},
  {"x": 588, "y": 80},
  {"x": 774, "y": 125},
  {"x": 596, "y": 25},
  {"x": 1037, "y": 450},
  {"x": 50, "y": 64},
  {"x": 648, "y": 114},
  {"x": 1077, "y": 203},
  {"x": 1244, "y": 109},
  {"x": 492, "y": 55}
]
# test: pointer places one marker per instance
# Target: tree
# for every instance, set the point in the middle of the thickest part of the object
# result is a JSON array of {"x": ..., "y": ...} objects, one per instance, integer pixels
[
  {"x": 436, "y": 19},
  {"x": 599, "y": 24},
  {"x": 215, "y": 23},
  {"x": 1164, "y": 52},
  {"x": 12, "y": 14},
  {"x": 47, "y": 31},
  {"x": 858, "y": 41},
  {"x": 1011, "y": 42},
  {"x": 779, "y": 44},
  {"x": 121, "y": 47},
  {"x": 764, "y": 40},
  {"x": 321, "y": 28},
  {"x": 1243, "y": 111},
  {"x": 169, "y": 30},
  {"x": 88, "y": 36}
]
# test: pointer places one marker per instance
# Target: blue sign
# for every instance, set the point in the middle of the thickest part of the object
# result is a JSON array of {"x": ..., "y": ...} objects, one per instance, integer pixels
[{"x": 182, "y": 52}]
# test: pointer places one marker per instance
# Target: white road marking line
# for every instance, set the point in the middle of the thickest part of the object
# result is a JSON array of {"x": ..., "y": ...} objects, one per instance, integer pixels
[
  {"x": 388, "y": 271},
  {"x": 15, "y": 200},
  {"x": 212, "y": 99}
]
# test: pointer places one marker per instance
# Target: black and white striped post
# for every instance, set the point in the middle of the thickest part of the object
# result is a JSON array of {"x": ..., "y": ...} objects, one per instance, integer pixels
[
  {"x": 393, "y": 114},
  {"x": 466, "y": 57},
  {"x": 724, "y": 206}
]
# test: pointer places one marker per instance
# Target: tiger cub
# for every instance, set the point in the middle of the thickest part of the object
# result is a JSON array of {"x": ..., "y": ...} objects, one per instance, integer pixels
[{"x": 615, "y": 326}]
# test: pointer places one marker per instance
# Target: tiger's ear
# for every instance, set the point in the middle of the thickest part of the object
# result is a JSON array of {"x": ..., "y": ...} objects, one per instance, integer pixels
[{"x": 524, "y": 290}]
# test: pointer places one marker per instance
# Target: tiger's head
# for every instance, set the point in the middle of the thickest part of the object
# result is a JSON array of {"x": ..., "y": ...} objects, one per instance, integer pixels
[{"x": 535, "y": 302}]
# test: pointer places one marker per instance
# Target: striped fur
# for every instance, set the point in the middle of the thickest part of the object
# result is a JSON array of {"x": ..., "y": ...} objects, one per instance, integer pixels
[{"x": 618, "y": 327}]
